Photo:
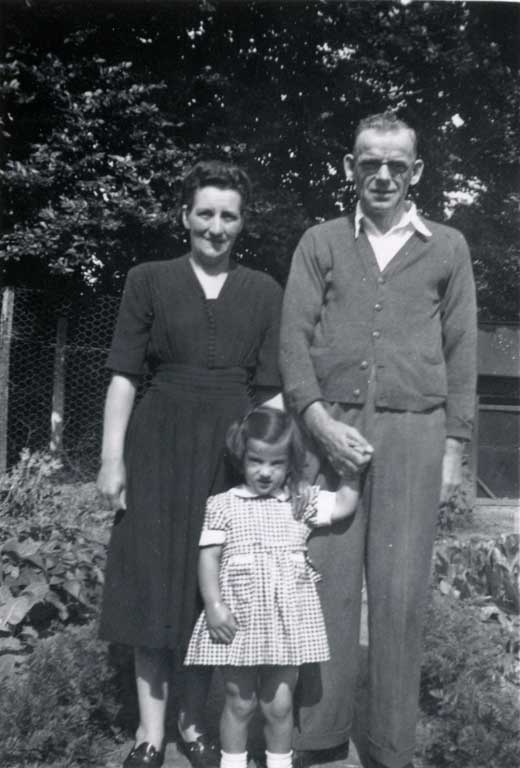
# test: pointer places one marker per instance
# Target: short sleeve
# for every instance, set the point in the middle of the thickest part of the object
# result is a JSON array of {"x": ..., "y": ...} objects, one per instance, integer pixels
[
  {"x": 319, "y": 508},
  {"x": 132, "y": 332},
  {"x": 267, "y": 373},
  {"x": 215, "y": 522}
]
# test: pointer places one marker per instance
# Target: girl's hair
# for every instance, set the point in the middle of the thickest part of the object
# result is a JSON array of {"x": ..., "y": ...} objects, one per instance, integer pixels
[
  {"x": 270, "y": 425},
  {"x": 215, "y": 173}
]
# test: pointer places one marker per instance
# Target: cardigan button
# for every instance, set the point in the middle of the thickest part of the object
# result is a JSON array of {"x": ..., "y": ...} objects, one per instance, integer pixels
[
  {"x": 376, "y": 334},
  {"x": 364, "y": 365},
  {"x": 356, "y": 392},
  {"x": 381, "y": 280},
  {"x": 378, "y": 307}
]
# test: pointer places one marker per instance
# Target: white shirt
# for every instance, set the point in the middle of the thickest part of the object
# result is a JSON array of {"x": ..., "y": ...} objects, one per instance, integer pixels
[{"x": 386, "y": 244}]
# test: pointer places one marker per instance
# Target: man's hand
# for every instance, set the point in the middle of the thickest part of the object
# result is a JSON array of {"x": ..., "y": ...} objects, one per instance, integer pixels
[
  {"x": 451, "y": 468},
  {"x": 345, "y": 447},
  {"x": 222, "y": 624}
]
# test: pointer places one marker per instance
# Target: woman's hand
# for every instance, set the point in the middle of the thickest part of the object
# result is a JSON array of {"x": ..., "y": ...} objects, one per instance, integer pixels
[
  {"x": 111, "y": 483},
  {"x": 222, "y": 624}
]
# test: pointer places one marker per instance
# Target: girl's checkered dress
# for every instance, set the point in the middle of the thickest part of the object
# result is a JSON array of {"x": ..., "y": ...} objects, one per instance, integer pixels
[{"x": 266, "y": 580}]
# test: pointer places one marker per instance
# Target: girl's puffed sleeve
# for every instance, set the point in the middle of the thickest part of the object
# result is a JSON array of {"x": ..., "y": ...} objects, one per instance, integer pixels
[
  {"x": 134, "y": 321},
  {"x": 267, "y": 373},
  {"x": 215, "y": 522},
  {"x": 319, "y": 508}
]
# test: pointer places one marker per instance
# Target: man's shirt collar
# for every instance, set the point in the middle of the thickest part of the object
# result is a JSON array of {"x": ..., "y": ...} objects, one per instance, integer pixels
[
  {"x": 409, "y": 217},
  {"x": 243, "y": 492}
]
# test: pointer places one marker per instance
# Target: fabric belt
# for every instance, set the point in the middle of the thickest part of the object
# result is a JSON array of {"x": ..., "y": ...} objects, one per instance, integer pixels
[{"x": 209, "y": 382}]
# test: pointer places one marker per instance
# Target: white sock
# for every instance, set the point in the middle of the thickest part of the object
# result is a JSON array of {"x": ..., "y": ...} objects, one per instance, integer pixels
[
  {"x": 279, "y": 759},
  {"x": 233, "y": 759}
]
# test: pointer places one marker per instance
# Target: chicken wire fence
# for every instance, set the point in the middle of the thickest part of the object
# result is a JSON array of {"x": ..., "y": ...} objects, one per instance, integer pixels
[{"x": 52, "y": 375}]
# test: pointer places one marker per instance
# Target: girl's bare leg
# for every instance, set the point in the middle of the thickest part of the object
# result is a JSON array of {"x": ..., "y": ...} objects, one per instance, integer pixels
[
  {"x": 239, "y": 707},
  {"x": 276, "y": 701},
  {"x": 152, "y": 673}
]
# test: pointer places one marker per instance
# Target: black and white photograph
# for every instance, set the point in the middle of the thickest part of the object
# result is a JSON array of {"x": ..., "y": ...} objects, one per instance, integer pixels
[{"x": 259, "y": 384}]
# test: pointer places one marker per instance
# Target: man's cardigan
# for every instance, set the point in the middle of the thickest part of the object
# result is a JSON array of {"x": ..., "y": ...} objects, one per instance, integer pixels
[{"x": 413, "y": 324}]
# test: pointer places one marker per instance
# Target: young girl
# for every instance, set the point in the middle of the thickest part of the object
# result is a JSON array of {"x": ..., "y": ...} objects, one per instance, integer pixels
[{"x": 262, "y": 616}]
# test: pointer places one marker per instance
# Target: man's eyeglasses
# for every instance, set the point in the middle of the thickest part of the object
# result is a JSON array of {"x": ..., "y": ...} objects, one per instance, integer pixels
[{"x": 395, "y": 167}]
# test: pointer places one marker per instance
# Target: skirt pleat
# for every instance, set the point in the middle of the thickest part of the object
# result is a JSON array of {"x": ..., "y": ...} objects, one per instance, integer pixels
[{"x": 175, "y": 459}]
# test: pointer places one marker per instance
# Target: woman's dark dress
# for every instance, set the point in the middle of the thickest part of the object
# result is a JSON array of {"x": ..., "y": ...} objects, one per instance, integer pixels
[{"x": 205, "y": 354}]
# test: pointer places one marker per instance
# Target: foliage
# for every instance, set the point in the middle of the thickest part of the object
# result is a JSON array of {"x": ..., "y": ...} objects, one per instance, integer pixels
[
  {"x": 98, "y": 185},
  {"x": 51, "y": 559},
  {"x": 27, "y": 489},
  {"x": 106, "y": 105},
  {"x": 457, "y": 512},
  {"x": 480, "y": 568},
  {"x": 63, "y": 706},
  {"x": 469, "y": 689}
]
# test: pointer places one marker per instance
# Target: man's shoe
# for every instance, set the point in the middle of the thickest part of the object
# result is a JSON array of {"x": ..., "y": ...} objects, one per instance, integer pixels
[
  {"x": 303, "y": 758},
  {"x": 144, "y": 755},
  {"x": 202, "y": 753},
  {"x": 375, "y": 764}
]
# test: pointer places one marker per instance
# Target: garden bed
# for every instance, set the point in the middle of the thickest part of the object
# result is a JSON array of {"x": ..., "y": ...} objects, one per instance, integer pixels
[{"x": 65, "y": 700}]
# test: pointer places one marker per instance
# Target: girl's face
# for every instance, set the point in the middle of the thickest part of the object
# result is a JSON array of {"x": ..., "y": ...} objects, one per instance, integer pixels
[
  {"x": 265, "y": 466},
  {"x": 214, "y": 222}
]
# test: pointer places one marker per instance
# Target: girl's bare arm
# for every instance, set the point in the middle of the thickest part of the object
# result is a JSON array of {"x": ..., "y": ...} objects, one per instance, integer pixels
[
  {"x": 347, "y": 496},
  {"x": 221, "y": 622}
]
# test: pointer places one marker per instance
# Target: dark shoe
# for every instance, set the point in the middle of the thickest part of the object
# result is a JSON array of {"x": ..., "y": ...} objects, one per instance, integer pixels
[
  {"x": 144, "y": 755},
  {"x": 375, "y": 764},
  {"x": 202, "y": 753},
  {"x": 303, "y": 758}
]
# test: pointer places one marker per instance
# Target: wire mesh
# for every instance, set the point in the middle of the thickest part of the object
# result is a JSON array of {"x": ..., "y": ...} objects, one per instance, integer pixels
[{"x": 33, "y": 377}]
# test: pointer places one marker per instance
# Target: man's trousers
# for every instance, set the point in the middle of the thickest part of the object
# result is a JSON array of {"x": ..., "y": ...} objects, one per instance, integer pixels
[{"x": 391, "y": 536}]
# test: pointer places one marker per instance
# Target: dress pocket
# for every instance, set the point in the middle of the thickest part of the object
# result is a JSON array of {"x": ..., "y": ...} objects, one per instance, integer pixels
[{"x": 239, "y": 586}]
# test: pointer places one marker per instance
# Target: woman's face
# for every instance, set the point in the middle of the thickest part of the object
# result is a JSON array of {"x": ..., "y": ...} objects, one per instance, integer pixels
[{"x": 214, "y": 221}]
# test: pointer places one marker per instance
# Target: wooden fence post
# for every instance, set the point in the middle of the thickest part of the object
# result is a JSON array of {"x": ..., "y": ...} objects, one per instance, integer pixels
[
  {"x": 6, "y": 332},
  {"x": 58, "y": 387}
]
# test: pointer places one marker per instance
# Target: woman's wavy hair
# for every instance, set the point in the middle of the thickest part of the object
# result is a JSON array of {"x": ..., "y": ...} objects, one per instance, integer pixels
[
  {"x": 270, "y": 425},
  {"x": 215, "y": 173}
]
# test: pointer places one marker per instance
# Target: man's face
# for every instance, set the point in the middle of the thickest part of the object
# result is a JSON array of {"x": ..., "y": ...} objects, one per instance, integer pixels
[{"x": 382, "y": 167}]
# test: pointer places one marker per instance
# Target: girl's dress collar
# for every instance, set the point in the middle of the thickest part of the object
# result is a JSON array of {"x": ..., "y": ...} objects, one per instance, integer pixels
[{"x": 243, "y": 492}]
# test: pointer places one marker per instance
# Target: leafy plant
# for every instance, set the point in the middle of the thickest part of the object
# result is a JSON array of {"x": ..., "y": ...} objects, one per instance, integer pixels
[
  {"x": 469, "y": 689},
  {"x": 457, "y": 512},
  {"x": 51, "y": 559},
  {"x": 489, "y": 568},
  {"x": 64, "y": 706},
  {"x": 27, "y": 489}
]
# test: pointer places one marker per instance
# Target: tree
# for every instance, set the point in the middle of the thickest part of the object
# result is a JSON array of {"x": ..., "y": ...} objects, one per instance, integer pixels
[{"x": 276, "y": 86}]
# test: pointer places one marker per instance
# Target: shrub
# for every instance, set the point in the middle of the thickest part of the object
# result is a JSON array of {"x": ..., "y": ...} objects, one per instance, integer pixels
[
  {"x": 27, "y": 489},
  {"x": 488, "y": 568},
  {"x": 52, "y": 555},
  {"x": 469, "y": 689},
  {"x": 64, "y": 703},
  {"x": 458, "y": 511}
]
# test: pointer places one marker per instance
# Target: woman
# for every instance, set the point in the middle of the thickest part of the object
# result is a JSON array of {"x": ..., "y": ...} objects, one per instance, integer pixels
[{"x": 208, "y": 330}]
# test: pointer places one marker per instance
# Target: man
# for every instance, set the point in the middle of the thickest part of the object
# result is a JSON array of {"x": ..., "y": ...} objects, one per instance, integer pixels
[{"x": 378, "y": 350}]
